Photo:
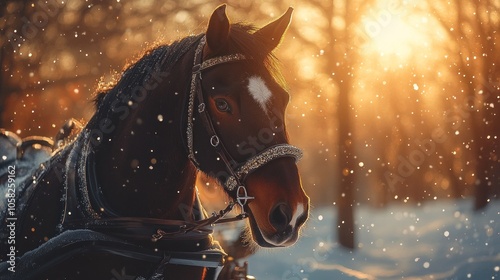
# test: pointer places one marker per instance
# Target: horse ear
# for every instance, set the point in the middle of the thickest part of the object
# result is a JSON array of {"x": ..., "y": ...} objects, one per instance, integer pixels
[
  {"x": 273, "y": 32},
  {"x": 218, "y": 29}
]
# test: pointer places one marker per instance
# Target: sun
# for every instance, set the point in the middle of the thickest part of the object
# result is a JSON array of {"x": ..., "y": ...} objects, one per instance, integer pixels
[
  {"x": 392, "y": 33},
  {"x": 394, "y": 39}
]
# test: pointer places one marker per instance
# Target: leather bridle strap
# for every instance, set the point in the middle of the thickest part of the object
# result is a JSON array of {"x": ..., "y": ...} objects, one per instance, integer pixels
[
  {"x": 196, "y": 91},
  {"x": 236, "y": 176},
  {"x": 203, "y": 111}
]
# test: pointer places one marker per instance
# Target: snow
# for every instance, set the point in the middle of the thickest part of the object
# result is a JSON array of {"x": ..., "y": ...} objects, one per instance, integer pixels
[{"x": 441, "y": 239}]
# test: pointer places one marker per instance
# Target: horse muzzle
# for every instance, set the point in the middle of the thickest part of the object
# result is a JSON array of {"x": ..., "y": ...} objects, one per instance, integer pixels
[
  {"x": 284, "y": 230},
  {"x": 280, "y": 207}
]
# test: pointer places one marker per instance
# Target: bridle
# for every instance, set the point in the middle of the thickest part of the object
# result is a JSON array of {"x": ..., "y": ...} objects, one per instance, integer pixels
[
  {"x": 78, "y": 191},
  {"x": 237, "y": 171}
]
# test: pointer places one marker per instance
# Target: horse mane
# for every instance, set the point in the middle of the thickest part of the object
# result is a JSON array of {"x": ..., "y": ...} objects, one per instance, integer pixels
[
  {"x": 159, "y": 57},
  {"x": 165, "y": 56}
]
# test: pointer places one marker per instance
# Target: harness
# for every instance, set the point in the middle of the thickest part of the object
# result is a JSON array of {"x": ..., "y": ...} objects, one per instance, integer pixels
[
  {"x": 82, "y": 188},
  {"x": 84, "y": 206}
]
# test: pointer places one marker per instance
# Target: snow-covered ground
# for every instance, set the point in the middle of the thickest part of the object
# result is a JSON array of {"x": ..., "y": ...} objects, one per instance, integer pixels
[{"x": 436, "y": 240}]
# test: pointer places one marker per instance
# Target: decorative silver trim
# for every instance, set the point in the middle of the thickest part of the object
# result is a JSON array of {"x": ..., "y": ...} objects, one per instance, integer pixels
[
  {"x": 220, "y": 60},
  {"x": 282, "y": 150},
  {"x": 192, "y": 93}
]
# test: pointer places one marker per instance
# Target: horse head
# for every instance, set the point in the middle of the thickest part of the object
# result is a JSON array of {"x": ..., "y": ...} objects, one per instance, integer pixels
[{"x": 245, "y": 99}]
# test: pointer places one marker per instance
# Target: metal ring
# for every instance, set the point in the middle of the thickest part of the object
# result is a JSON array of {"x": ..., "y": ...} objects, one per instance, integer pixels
[
  {"x": 214, "y": 141},
  {"x": 242, "y": 200},
  {"x": 201, "y": 107}
]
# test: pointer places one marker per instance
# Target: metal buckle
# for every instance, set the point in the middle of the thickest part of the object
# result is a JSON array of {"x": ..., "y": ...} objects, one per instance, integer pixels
[{"x": 242, "y": 199}]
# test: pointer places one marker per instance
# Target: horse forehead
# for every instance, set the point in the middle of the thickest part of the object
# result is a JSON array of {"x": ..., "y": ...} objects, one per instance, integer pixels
[{"x": 259, "y": 91}]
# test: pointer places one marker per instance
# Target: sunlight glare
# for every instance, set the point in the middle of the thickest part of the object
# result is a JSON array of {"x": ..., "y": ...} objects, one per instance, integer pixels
[
  {"x": 393, "y": 33},
  {"x": 394, "y": 39}
]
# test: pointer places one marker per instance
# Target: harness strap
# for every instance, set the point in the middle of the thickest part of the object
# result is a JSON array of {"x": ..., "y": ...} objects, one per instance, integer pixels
[
  {"x": 216, "y": 218},
  {"x": 142, "y": 231},
  {"x": 33, "y": 140},
  {"x": 72, "y": 243},
  {"x": 84, "y": 208}
]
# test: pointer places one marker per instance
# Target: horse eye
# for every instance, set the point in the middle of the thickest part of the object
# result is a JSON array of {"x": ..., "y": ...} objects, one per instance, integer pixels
[{"x": 222, "y": 105}]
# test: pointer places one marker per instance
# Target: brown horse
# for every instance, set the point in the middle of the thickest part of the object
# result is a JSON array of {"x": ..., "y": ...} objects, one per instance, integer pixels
[{"x": 120, "y": 199}]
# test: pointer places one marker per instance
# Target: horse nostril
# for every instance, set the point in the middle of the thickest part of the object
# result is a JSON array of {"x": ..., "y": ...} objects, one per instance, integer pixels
[{"x": 280, "y": 216}]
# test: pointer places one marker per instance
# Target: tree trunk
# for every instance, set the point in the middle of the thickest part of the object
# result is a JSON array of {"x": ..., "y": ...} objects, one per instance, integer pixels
[
  {"x": 345, "y": 195},
  {"x": 488, "y": 144},
  {"x": 338, "y": 48}
]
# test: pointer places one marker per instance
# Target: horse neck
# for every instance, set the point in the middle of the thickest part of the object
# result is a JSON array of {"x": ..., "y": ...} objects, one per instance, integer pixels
[{"x": 144, "y": 170}]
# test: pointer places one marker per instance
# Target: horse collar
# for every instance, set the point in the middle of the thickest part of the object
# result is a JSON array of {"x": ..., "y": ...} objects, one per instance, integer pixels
[{"x": 237, "y": 175}]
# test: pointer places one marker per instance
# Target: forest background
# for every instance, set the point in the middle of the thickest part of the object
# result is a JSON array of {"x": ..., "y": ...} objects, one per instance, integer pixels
[{"x": 392, "y": 101}]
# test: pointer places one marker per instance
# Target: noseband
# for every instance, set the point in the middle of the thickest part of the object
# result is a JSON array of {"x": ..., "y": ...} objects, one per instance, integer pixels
[{"x": 237, "y": 171}]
